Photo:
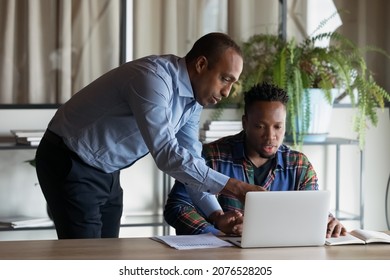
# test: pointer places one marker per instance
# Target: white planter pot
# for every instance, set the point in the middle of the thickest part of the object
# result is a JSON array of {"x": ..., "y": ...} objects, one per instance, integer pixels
[{"x": 320, "y": 115}]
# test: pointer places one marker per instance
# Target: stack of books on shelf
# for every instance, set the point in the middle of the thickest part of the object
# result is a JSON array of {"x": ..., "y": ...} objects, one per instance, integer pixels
[
  {"x": 213, "y": 130},
  {"x": 28, "y": 137},
  {"x": 16, "y": 222}
]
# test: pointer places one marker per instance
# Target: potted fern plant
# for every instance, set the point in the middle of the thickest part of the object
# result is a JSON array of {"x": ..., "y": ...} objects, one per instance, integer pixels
[{"x": 299, "y": 67}]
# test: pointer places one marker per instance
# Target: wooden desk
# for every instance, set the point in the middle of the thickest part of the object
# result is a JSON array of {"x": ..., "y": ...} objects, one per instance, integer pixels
[{"x": 147, "y": 249}]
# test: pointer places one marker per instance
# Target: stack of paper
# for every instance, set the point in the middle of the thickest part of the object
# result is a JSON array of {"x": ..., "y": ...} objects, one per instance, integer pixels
[
  {"x": 25, "y": 222},
  {"x": 213, "y": 130},
  {"x": 28, "y": 137},
  {"x": 198, "y": 241}
]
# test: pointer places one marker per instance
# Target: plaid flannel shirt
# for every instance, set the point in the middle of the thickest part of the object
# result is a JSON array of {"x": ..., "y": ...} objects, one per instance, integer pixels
[{"x": 292, "y": 171}]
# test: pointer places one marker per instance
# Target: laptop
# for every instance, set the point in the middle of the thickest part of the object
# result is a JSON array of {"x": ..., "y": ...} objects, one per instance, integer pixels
[{"x": 284, "y": 218}]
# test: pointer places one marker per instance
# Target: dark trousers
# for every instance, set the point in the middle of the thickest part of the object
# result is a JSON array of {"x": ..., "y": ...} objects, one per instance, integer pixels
[{"x": 84, "y": 202}]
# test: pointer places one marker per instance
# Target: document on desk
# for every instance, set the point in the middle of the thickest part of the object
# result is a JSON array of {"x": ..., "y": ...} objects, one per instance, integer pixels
[{"x": 198, "y": 241}]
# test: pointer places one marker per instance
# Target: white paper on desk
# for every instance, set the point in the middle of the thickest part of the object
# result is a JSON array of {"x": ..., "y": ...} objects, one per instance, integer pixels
[{"x": 198, "y": 241}]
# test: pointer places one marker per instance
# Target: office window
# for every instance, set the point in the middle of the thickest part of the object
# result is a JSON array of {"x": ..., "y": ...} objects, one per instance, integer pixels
[
  {"x": 52, "y": 48},
  {"x": 215, "y": 16}
]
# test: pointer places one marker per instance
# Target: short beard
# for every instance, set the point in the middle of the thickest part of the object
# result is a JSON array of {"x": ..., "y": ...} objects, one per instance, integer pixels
[{"x": 267, "y": 156}]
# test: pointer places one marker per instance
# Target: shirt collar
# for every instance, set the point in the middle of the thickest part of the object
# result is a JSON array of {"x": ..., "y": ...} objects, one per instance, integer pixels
[
  {"x": 184, "y": 83},
  {"x": 279, "y": 156}
]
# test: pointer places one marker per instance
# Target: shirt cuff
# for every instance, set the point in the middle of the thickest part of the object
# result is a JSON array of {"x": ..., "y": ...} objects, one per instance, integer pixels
[
  {"x": 207, "y": 203},
  {"x": 214, "y": 182},
  {"x": 211, "y": 229}
]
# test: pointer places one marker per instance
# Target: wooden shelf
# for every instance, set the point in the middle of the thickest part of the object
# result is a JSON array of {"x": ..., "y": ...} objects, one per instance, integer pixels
[
  {"x": 8, "y": 143},
  {"x": 127, "y": 221}
]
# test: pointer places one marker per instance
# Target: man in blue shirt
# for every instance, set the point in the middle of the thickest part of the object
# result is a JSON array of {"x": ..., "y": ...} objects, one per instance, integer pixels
[
  {"x": 150, "y": 105},
  {"x": 257, "y": 156}
]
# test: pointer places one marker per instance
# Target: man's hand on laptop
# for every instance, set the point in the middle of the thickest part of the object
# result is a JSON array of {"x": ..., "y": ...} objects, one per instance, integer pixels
[
  {"x": 229, "y": 222},
  {"x": 239, "y": 189},
  {"x": 335, "y": 228}
]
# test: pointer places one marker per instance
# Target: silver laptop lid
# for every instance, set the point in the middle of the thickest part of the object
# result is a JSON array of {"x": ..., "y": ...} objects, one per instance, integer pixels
[{"x": 285, "y": 218}]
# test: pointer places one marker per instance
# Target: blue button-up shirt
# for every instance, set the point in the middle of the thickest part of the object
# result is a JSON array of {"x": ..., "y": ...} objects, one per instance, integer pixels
[{"x": 146, "y": 105}]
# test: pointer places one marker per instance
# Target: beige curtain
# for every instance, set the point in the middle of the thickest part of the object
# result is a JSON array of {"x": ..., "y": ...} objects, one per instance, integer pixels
[
  {"x": 172, "y": 26},
  {"x": 165, "y": 26},
  {"x": 249, "y": 17},
  {"x": 52, "y": 48}
]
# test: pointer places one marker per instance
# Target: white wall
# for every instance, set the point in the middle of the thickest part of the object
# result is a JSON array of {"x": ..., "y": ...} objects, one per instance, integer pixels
[
  {"x": 376, "y": 167},
  {"x": 20, "y": 193}
]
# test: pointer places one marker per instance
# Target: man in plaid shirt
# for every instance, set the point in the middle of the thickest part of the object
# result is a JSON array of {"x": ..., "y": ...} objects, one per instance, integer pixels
[{"x": 257, "y": 156}]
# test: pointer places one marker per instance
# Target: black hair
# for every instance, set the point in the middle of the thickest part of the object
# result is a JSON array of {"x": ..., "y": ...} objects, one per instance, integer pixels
[
  {"x": 264, "y": 92},
  {"x": 212, "y": 46}
]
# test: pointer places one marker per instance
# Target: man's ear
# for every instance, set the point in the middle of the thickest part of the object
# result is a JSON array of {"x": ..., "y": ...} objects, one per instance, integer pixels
[{"x": 201, "y": 63}]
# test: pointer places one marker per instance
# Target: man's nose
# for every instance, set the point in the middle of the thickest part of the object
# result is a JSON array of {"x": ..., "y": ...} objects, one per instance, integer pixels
[
  {"x": 270, "y": 133},
  {"x": 226, "y": 91}
]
